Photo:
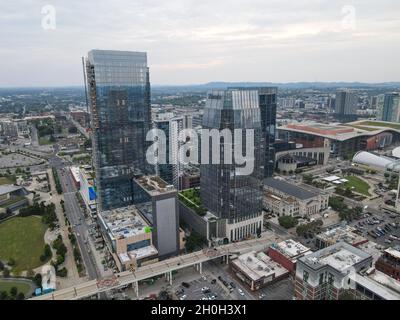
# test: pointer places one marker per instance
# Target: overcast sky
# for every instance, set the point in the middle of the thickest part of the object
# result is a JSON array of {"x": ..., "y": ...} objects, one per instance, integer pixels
[{"x": 193, "y": 41}]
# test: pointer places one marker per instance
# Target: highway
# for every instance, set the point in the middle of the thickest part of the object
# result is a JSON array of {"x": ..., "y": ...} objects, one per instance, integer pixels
[{"x": 93, "y": 287}]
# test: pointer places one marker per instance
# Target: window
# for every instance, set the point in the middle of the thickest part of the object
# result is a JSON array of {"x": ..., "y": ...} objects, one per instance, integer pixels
[
  {"x": 305, "y": 276},
  {"x": 331, "y": 278},
  {"x": 321, "y": 278}
]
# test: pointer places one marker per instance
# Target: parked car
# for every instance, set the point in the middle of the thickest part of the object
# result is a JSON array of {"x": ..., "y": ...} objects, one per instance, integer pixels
[
  {"x": 205, "y": 289},
  {"x": 185, "y": 284}
]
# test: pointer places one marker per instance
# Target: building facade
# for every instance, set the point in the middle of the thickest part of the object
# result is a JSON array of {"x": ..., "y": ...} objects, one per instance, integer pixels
[
  {"x": 324, "y": 274},
  {"x": 119, "y": 96},
  {"x": 231, "y": 196},
  {"x": 345, "y": 104},
  {"x": 389, "y": 262},
  {"x": 268, "y": 103},
  {"x": 388, "y": 107},
  {"x": 287, "y": 252},
  {"x": 128, "y": 237},
  {"x": 286, "y": 199},
  {"x": 158, "y": 203}
]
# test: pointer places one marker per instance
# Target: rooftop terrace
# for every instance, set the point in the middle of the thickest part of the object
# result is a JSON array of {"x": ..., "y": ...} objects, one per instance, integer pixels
[
  {"x": 154, "y": 185},
  {"x": 124, "y": 222}
]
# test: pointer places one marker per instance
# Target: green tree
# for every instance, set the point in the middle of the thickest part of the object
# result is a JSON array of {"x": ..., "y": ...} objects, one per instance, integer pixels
[
  {"x": 20, "y": 296},
  {"x": 38, "y": 279},
  {"x": 287, "y": 221},
  {"x": 13, "y": 291},
  {"x": 3, "y": 295},
  {"x": 193, "y": 241},
  {"x": 6, "y": 273},
  {"x": 308, "y": 178}
]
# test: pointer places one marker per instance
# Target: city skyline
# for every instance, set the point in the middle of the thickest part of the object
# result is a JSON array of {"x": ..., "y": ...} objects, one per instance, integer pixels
[{"x": 251, "y": 41}]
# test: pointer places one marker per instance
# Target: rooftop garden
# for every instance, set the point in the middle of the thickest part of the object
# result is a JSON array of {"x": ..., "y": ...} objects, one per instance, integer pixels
[
  {"x": 380, "y": 124},
  {"x": 191, "y": 198},
  {"x": 361, "y": 127}
]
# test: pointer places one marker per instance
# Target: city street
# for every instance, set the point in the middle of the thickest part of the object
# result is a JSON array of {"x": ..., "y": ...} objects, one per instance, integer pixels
[{"x": 75, "y": 216}]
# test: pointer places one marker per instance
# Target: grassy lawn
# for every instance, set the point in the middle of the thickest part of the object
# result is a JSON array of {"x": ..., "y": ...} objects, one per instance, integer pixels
[
  {"x": 362, "y": 127},
  {"x": 380, "y": 124},
  {"x": 44, "y": 141},
  {"x": 359, "y": 185},
  {"x": 4, "y": 180},
  {"x": 7, "y": 285},
  {"x": 22, "y": 239}
]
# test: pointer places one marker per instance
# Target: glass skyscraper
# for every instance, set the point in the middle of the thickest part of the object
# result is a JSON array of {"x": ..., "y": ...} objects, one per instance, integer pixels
[
  {"x": 388, "y": 107},
  {"x": 224, "y": 191},
  {"x": 346, "y": 105},
  {"x": 267, "y": 100},
  {"x": 119, "y": 95}
]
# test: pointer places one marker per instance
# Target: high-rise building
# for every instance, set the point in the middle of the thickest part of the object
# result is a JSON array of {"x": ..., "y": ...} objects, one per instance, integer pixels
[
  {"x": 164, "y": 170},
  {"x": 373, "y": 102},
  {"x": 171, "y": 170},
  {"x": 346, "y": 104},
  {"x": 267, "y": 103},
  {"x": 157, "y": 202},
  {"x": 234, "y": 197},
  {"x": 119, "y": 95},
  {"x": 388, "y": 107}
]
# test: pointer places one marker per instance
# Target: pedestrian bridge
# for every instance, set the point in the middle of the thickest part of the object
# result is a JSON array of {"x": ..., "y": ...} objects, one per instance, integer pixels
[{"x": 125, "y": 278}]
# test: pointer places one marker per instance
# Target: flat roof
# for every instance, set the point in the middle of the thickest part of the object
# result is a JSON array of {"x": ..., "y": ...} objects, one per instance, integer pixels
[
  {"x": 258, "y": 265},
  {"x": 75, "y": 173},
  {"x": 138, "y": 254},
  {"x": 288, "y": 188},
  {"x": 395, "y": 252},
  {"x": 7, "y": 188},
  {"x": 124, "y": 222},
  {"x": 154, "y": 185},
  {"x": 335, "y": 131},
  {"x": 331, "y": 178},
  {"x": 378, "y": 285},
  {"x": 291, "y": 248},
  {"x": 341, "y": 233},
  {"x": 340, "y": 256}
]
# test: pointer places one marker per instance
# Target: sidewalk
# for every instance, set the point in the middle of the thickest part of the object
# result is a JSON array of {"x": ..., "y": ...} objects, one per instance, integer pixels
[{"x": 73, "y": 275}]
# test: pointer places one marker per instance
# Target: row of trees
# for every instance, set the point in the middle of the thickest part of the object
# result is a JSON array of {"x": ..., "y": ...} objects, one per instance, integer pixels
[
  {"x": 61, "y": 251},
  {"x": 313, "y": 226},
  {"x": 13, "y": 294},
  {"x": 345, "y": 213},
  {"x": 47, "y": 212},
  {"x": 57, "y": 181}
]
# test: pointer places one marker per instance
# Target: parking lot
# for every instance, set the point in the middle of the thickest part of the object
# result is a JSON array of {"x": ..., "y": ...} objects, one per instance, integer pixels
[
  {"x": 203, "y": 288},
  {"x": 281, "y": 290},
  {"x": 383, "y": 229}
]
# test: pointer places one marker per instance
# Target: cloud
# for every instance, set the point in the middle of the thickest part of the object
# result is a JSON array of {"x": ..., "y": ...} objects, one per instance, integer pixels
[{"x": 190, "y": 41}]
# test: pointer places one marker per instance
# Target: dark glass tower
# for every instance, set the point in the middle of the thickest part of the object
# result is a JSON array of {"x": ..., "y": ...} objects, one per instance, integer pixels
[
  {"x": 165, "y": 170},
  {"x": 119, "y": 94},
  {"x": 268, "y": 99},
  {"x": 226, "y": 192}
]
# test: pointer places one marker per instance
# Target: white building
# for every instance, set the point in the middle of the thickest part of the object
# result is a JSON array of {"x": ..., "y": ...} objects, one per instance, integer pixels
[
  {"x": 87, "y": 188},
  {"x": 286, "y": 199}
]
